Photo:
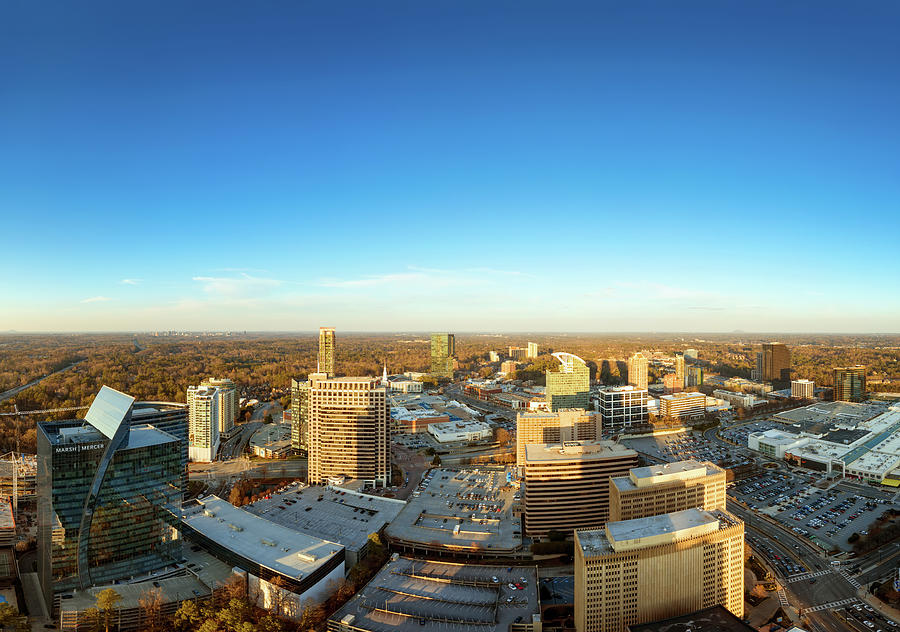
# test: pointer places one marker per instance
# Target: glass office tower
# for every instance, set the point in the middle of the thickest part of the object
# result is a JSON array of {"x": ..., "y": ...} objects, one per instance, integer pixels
[{"x": 570, "y": 387}]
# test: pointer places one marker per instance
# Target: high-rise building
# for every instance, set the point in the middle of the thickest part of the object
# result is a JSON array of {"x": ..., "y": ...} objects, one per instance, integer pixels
[
  {"x": 679, "y": 371},
  {"x": 637, "y": 371},
  {"x": 694, "y": 377},
  {"x": 559, "y": 427},
  {"x": 567, "y": 485},
  {"x": 170, "y": 417},
  {"x": 443, "y": 348},
  {"x": 326, "y": 351},
  {"x": 659, "y": 489},
  {"x": 229, "y": 402},
  {"x": 203, "y": 423},
  {"x": 691, "y": 354},
  {"x": 682, "y": 405},
  {"x": 803, "y": 389},
  {"x": 638, "y": 571},
  {"x": 570, "y": 387},
  {"x": 108, "y": 497},
  {"x": 493, "y": 356},
  {"x": 300, "y": 411},
  {"x": 349, "y": 431},
  {"x": 509, "y": 367},
  {"x": 776, "y": 362},
  {"x": 532, "y": 349},
  {"x": 850, "y": 383},
  {"x": 519, "y": 354},
  {"x": 623, "y": 406},
  {"x": 757, "y": 374}
]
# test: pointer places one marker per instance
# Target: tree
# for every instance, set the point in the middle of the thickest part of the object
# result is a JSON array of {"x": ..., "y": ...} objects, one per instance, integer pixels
[
  {"x": 10, "y": 617},
  {"x": 151, "y": 610},
  {"x": 436, "y": 460},
  {"x": 188, "y": 616},
  {"x": 106, "y": 603},
  {"x": 501, "y": 436}
]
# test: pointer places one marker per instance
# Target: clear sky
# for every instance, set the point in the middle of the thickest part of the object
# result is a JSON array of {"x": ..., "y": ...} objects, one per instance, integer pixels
[{"x": 459, "y": 165}]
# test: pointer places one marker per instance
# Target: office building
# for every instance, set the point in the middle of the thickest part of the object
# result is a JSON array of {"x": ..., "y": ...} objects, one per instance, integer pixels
[
  {"x": 693, "y": 377},
  {"x": 443, "y": 349},
  {"x": 850, "y": 383},
  {"x": 679, "y": 371},
  {"x": 803, "y": 389},
  {"x": 229, "y": 402},
  {"x": 660, "y": 489},
  {"x": 170, "y": 417},
  {"x": 776, "y": 362},
  {"x": 349, "y": 432},
  {"x": 562, "y": 426},
  {"x": 567, "y": 485},
  {"x": 519, "y": 354},
  {"x": 203, "y": 423},
  {"x": 327, "y": 351},
  {"x": 682, "y": 405},
  {"x": 643, "y": 570},
  {"x": 623, "y": 406},
  {"x": 509, "y": 367},
  {"x": 637, "y": 371},
  {"x": 108, "y": 497},
  {"x": 532, "y": 349},
  {"x": 570, "y": 387},
  {"x": 300, "y": 411}
]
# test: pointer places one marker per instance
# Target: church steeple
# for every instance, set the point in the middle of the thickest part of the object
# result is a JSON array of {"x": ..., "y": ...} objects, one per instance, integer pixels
[{"x": 384, "y": 379}]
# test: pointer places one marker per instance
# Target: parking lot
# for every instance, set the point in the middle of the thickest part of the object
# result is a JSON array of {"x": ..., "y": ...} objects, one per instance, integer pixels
[
  {"x": 682, "y": 446},
  {"x": 738, "y": 434}
]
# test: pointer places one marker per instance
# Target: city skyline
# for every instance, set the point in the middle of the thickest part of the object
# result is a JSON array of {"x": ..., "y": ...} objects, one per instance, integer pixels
[{"x": 741, "y": 159}]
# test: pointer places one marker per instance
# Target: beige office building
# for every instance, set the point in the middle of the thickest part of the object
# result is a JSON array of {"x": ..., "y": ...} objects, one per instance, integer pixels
[
  {"x": 637, "y": 371},
  {"x": 567, "y": 486},
  {"x": 644, "y": 570},
  {"x": 659, "y": 489},
  {"x": 229, "y": 402},
  {"x": 348, "y": 431},
  {"x": 570, "y": 424},
  {"x": 682, "y": 405}
]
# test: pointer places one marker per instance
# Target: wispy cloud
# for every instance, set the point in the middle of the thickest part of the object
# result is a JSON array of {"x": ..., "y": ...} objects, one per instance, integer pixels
[
  {"x": 239, "y": 286},
  {"x": 371, "y": 281},
  {"x": 130, "y": 281},
  {"x": 96, "y": 299}
]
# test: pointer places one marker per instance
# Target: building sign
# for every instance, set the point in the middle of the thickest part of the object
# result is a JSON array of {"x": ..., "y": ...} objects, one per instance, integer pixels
[{"x": 79, "y": 447}]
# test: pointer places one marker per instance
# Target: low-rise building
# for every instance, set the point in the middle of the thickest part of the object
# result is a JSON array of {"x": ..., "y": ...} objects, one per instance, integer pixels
[
  {"x": 682, "y": 405},
  {"x": 453, "y": 431},
  {"x": 803, "y": 389}
]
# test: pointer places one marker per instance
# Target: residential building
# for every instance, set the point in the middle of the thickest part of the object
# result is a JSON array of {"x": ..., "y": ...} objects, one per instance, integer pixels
[
  {"x": 679, "y": 371},
  {"x": 776, "y": 362},
  {"x": 349, "y": 432},
  {"x": 691, "y": 354},
  {"x": 570, "y": 386},
  {"x": 694, "y": 377},
  {"x": 682, "y": 405},
  {"x": 443, "y": 348},
  {"x": 509, "y": 367},
  {"x": 532, "y": 350},
  {"x": 567, "y": 485},
  {"x": 203, "y": 423},
  {"x": 660, "y": 489},
  {"x": 229, "y": 406},
  {"x": 637, "y": 371},
  {"x": 623, "y": 406},
  {"x": 850, "y": 383},
  {"x": 671, "y": 384},
  {"x": 108, "y": 498},
  {"x": 803, "y": 389},
  {"x": 562, "y": 426},
  {"x": 327, "y": 351},
  {"x": 520, "y": 354},
  {"x": 300, "y": 411},
  {"x": 643, "y": 570},
  {"x": 494, "y": 356}
]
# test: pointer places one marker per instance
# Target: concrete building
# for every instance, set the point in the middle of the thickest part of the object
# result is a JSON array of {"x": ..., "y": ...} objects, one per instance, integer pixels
[
  {"x": 849, "y": 383},
  {"x": 443, "y": 350},
  {"x": 774, "y": 443},
  {"x": 349, "y": 431},
  {"x": 532, "y": 350},
  {"x": 637, "y": 371},
  {"x": 452, "y": 431},
  {"x": 679, "y": 371},
  {"x": 623, "y": 406},
  {"x": 638, "y": 571},
  {"x": 326, "y": 351},
  {"x": 739, "y": 400},
  {"x": 519, "y": 354},
  {"x": 660, "y": 489},
  {"x": 803, "y": 389},
  {"x": 300, "y": 411},
  {"x": 567, "y": 485},
  {"x": 493, "y": 356},
  {"x": 570, "y": 387},
  {"x": 776, "y": 363},
  {"x": 694, "y": 377},
  {"x": 560, "y": 427},
  {"x": 509, "y": 367},
  {"x": 108, "y": 498},
  {"x": 682, "y": 405},
  {"x": 229, "y": 407},
  {"x": 203, "y": 423},
  {"x": 405, "y": 386}
]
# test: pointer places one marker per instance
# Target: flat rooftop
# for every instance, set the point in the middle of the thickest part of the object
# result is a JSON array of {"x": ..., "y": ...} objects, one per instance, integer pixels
[
  {"x": 583, "y": 450},
  {"x": 477, "y": 501},
  {"x": 831, "y": 412},
  {"x": 69, "y": 433},
  {"x": 687, "y": 470},
  {"x": 714, "y": 619},
  {"x": 415, "y": 595},
  {"x": 337, "y": 515},
  {"x": 261, "y": 541}
]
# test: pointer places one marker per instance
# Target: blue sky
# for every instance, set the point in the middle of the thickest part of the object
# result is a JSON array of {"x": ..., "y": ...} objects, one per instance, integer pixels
[{"x": 504, "y": 166}]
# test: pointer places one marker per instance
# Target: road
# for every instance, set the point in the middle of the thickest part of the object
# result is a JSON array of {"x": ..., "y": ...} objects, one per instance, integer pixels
[
  {"x": 414, "y": 466},
  {"x": 15, "y": 391}
]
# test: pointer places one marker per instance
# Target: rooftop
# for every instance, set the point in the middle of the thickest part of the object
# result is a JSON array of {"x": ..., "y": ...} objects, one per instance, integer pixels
[
  {"x": 658, "y": 474},
  {"x": 266, "y": 543},
  {"x": 581, "y": 450},
  {"x": 831, "y": 412},
  {"x": 714, "y": 619}
]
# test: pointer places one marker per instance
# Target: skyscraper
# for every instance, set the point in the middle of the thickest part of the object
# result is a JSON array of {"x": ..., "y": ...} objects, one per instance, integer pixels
[
  {"x": 532, "y": 349},
  {"x": 679, "y": 371},
  {"x": 300, "y": 411},
  {"x": 326, "y": 350},
  {"x": 570, "y": 387},
  {"x": 349, "y": 432},
  {"x": 623, "y": 406},
  {"x": 109, "y": 497},
  {"x": 443, "y": 348},
  {"x": 637, "y": 371},
  {"x": 694, "y": 377},
  {"x": 850, "y": 383},
  {"x": 203, "y": 423},
  {"x": 229, "y": 402},
  {"x": 776, "y": 363}
]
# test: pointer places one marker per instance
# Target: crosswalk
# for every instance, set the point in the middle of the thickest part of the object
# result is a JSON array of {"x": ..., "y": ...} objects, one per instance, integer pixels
[
  {"x": 805, "y": 576},
  {"x": 850, "y": 580},
  {"x": 782, "y": 597},
  {"x": 830, "y": 606}
]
